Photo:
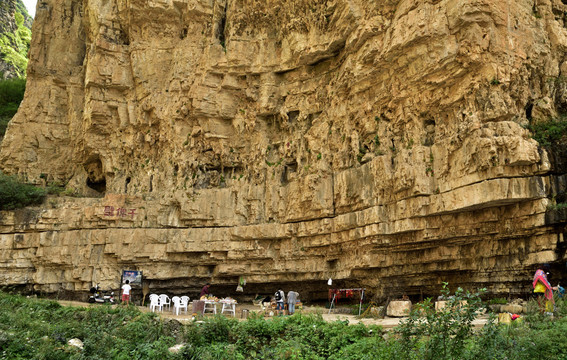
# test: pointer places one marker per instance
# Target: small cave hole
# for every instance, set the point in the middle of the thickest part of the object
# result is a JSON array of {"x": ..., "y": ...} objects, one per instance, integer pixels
[
  {"x": 292, "y": 116},
  {"x": 183, "y": 34},
  {"x": 128, "y": 179},
  {"x": 283, "y": 179},
  {"x": 529, "y": 107},
  {"x": 429, "y": 126},
  {"x": 151, "y": 183}
]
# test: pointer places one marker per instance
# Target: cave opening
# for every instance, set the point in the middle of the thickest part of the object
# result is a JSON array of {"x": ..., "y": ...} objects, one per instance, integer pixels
[
  {"x": 99, "y": 186},
  {"x": 96, "y": 180}
]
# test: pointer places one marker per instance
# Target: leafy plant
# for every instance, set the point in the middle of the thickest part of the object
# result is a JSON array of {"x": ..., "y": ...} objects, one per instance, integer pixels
[
  {"x": 442, "y": 334},
  {"x": 494, "y": 81},
  {"x": 548, "y": 133},
  {"x": 15, "y": 195},
  {"x": 500, "y": 301},
  {"x": 11, "y": 94},
  {"x": 14, "y": 46}
]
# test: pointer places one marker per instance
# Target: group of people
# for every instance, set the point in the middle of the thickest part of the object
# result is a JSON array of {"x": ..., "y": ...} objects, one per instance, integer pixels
[
  {"x": 280, "y": 298},
  {"x": 544, "y": 291}
]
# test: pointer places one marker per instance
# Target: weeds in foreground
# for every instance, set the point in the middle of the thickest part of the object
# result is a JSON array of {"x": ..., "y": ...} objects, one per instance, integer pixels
[{"x": 40, "y": 329}]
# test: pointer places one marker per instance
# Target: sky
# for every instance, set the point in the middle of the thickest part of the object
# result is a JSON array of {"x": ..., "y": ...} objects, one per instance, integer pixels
[{"x": 30, "y": 5}]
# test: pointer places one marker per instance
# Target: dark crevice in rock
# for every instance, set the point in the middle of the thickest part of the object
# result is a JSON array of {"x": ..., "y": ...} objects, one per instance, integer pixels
[
  {"x": 221, "y": 26},
  {"x": 529, "y": 107}
]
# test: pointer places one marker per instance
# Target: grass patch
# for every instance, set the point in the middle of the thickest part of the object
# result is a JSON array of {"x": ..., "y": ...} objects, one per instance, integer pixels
[{"x": 40, "y": 329}]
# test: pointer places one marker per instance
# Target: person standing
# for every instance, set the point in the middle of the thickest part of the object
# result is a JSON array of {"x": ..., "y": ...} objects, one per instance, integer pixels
[
  {"x": 205, "y": 290},
  {"x": 280, "y": 299},
  {"x": 126, "y": 292},
  {"x": 543, "y": 289},
  {"x": 291, "y": 301}
]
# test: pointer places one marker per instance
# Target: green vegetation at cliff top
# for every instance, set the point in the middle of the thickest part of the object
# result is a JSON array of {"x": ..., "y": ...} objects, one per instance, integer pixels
[{"x": 14, "y": 46}]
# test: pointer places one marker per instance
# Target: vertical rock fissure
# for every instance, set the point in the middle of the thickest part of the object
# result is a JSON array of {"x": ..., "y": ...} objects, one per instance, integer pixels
[{"x": 221, "y": 23}]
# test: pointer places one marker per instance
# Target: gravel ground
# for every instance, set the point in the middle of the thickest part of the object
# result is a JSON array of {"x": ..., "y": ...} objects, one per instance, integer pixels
[{"x": 386, "y": 323}]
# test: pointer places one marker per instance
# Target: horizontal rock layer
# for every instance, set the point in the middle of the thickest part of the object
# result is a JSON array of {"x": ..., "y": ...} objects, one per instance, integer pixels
[{"x": 378, "y": 143}]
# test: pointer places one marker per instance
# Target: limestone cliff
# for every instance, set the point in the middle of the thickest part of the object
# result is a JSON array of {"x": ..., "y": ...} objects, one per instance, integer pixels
[{"x": 380, "y": 143}]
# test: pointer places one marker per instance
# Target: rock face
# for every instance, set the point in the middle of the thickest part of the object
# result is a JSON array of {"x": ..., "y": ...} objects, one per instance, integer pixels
[{"x": 380, "y": 143}]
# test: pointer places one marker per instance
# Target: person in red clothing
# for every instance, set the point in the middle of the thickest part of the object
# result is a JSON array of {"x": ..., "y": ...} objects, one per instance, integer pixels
[
  {"x": 543, "y": 289},
  {"x": 205, "y": 290}
]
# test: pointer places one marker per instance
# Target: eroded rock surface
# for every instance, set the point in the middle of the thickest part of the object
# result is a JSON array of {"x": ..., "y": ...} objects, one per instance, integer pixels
[{"x": 380, "y": 143}]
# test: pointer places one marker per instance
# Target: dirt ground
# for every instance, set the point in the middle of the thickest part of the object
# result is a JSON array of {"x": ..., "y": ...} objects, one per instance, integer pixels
[{"x": 386, "y": 323}]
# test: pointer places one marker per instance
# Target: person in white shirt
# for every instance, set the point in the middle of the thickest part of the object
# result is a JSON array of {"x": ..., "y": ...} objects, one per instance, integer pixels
[
  {"x": 291, "y": 300},
  {"x": 126, "y": 292}
]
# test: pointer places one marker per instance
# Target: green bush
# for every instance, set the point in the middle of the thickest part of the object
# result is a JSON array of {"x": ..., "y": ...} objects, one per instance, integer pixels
[
  {"x": 11, "y": 94},
  {"x": 12, "y": 91},
  {"x": 442, "y": 334},
  {"x": 14, "y": 194},
  {"x": 548, "y": 133},
  {"x": 40, "y": 329},
  {"x": 498, "y": 301}
]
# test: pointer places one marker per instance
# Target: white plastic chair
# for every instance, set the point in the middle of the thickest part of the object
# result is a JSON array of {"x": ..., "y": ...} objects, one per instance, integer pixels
[
  {"x": 178, "y": 305},
  {"x": 154, "y": 303},
  {"x": 152, "y": 296},
  {"x": 165, "y": 301},
  {"x": 185, "y": 299}
]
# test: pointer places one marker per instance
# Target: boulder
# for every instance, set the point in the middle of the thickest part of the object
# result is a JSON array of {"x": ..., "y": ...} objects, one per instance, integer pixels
[
  {"x": 399, "y": 308},
  {"x": 76, "y": 343}
]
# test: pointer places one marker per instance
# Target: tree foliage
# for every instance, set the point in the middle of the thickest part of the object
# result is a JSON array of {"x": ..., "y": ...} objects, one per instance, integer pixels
[
  {"x": 14, "y": 194},
  {"x": 11, "y": 94}
]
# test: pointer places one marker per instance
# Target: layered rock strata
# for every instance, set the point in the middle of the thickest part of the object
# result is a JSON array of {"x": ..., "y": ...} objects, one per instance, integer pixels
[{"x": 382, "y": 144}]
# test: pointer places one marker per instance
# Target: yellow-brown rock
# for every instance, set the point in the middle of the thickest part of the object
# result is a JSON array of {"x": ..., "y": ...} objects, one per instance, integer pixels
[{"x": 380, "y": 143}]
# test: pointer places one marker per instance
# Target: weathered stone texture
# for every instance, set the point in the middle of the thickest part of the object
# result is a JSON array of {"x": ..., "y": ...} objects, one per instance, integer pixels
[{"x": 377, "y": 142}]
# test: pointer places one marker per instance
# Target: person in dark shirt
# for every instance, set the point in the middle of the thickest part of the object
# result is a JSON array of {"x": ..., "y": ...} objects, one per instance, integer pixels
[{"x": 205, "y": 290}]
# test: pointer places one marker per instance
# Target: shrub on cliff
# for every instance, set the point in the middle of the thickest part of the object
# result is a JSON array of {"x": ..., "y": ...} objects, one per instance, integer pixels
[
  {"x": 14, "y": 194},
  {"x": 11, "y": 94},
  {"x": 549, "y": 133}
]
